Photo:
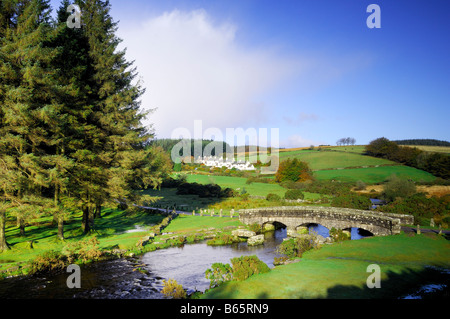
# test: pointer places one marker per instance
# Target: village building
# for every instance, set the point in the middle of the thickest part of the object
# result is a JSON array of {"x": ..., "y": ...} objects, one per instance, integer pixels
[{"x": 214, "y": 161}]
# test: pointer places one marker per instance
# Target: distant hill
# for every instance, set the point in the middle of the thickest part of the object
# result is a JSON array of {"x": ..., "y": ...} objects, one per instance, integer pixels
[{"x": 428, "y": 142}]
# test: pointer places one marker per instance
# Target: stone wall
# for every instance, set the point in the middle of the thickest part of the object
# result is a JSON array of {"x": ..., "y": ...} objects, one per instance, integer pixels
[{"x": 340, "y": 218}]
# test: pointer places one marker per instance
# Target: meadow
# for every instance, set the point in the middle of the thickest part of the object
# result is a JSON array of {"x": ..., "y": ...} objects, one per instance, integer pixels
[
  {"x": 116, "y": 229},
  {"x": 340, "y": 271},
  {"x": 372, "y": 175},
  {"x": 320, "y": 160}
]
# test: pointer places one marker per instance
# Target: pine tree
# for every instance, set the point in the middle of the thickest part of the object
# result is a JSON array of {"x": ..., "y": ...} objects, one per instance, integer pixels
[{"x": 27, "y": 95}]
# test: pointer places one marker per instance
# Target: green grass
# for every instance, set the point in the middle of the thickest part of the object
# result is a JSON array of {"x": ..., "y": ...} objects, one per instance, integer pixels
[
  {"x": 374, "y": 174},
  {"x": 239, "y": 183},
  {"x": 319, "y": 160},
  {"x": 340, "y": 270},
  {"x": 188, "y": 223},
  {"x": 111, "y": 231}
]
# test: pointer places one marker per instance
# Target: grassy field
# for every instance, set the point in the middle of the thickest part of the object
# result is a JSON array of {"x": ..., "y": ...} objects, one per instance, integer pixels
[
  {"x": 116, "y": 229},
  {"x": 319, "y": 160},
  {"x": 374, "y": 174},
  {"x": 340, "y": 271},
  {"x": 239, "y": 183},
  {"x": 435, "y": 149}
]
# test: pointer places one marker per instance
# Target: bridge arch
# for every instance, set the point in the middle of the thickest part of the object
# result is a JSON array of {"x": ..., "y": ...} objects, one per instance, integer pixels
[{"x": 379, "y": 224}]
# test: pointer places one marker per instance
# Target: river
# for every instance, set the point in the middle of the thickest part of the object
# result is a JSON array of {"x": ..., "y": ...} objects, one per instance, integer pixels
[{"x": 122, "y": 278}]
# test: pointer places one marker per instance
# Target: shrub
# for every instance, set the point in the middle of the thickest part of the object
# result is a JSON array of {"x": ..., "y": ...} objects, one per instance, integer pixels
[
  {"x": 246, "y": 266},
  {"x": 49, "y": 261},
  {"x": 360, "y": 185},
  {"x": 242, "y": 268},
  {"x": 293, "y": 170},
  {"x": 338, "y": 235},
  {"x": 84, "y": 250},
  {"x": 223, "y": 239},
  {"x": 294, "y": 194},
  {"x": 255, "y": 227},
  {"x": 218, "y": 274},
  {"x": 273, "y": 197},
  {"x": 295, "y": 247},
  {"x": 171, "y": 289},
  {"x": 398, "y": 188},
  {"x": 352, "y": 201}
]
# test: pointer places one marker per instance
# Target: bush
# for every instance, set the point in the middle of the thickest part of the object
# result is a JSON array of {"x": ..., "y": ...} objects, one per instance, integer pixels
[
  {"x": 295, "y": 247},
  {"x": 273, "y": 197},
  {"x": 293, "y": 170},
  {"x": 352, "y": 201},
  {"x": 294, "y": 194},
  {"x": 255, "y": 228},
  {"x": 242, "y": 268},
  {"x": 85, "y": 250},
  {"x": 422, "y": 208},
  {"x": 247, "y": 266},
  {"x": 172, "y": 289},
  {"x": 218, "y": 274},
  {"x": 360, "y": 185},
  {"x": 338, "y": 235},
  {"x": 398, "y": 188},
  {"x": 49, "y": 261},
  {"x": 223, "y": 239}
]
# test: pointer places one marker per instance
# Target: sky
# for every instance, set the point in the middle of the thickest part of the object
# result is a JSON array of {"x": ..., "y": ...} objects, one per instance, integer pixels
[{"x": 313, "y": 70}]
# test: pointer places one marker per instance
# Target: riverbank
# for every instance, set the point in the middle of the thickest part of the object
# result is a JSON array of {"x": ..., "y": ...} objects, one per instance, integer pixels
[
  {"x": 407, "y": 262},
  {"x": 117, "y": 234}
]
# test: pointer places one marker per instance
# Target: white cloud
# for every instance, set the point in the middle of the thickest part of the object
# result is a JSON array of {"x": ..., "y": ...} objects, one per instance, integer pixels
[
  {"x": 300, "y": 118},
  {"x": 294, "y": 141},
  {"x": 194, "y": 69}
]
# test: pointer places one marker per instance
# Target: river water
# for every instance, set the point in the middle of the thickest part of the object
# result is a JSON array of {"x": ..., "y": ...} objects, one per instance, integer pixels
[{"x": 122, "y": 278}]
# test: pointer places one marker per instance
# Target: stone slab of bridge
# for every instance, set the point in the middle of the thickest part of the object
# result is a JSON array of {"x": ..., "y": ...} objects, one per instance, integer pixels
[{"x": 378, "y": 223}]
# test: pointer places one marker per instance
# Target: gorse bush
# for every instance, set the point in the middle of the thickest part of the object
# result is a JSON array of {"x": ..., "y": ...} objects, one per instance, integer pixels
[
  {"x": 241, "y": 268},
  {"x": 218, "y": 274},
  {"x": 49, "y": 261},
  {"x": 246, "y": 266},
  {"x": 273, "y": 197},
  {"x": 295, "y": 247},
  {"x": 294, "y": 194},
  {"x": 171, "y": 289},
  {"x": 84, "y": 251}
]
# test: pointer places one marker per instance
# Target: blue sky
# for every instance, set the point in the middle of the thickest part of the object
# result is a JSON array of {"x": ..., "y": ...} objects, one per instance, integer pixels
[{"x": 312, "y": 69}]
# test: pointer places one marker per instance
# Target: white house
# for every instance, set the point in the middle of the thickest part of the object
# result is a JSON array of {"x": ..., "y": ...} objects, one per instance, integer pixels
[{"x": 213, "y": 161}]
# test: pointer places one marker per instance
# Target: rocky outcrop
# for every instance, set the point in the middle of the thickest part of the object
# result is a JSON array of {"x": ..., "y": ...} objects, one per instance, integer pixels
[
  {"x": 243, "y": 233},
  {"x": 255, "y": 240}
]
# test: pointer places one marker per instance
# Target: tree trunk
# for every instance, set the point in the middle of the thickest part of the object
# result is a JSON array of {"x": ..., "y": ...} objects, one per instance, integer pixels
[
  {"x": 98, "y": 211},
  {"x": 85, "y": 222},
  {"x": 3, "y": 243},
  {"x": 21, "y": 227},
  {"x": 61, "y": 226}
]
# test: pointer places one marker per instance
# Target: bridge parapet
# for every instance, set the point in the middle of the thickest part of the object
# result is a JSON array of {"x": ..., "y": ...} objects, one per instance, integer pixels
[{"x": 341, "y": 218}]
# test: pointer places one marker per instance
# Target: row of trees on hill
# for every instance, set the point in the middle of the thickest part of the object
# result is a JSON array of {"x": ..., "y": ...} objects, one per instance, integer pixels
[
  {"x": 427, "y": 142},
  {"x": 71, "y": 135},
  {"x": 346, "y": 141},
  {"x": 209, "y": 147},
  {"x": 437, "y": 164}
]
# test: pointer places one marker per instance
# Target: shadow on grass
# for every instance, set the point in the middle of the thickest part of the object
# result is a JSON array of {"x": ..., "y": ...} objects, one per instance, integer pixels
[
  {"x": 398, "y": 285},
  {"x": 408, "y": 283},
  {"x": 169, "y": 198}
]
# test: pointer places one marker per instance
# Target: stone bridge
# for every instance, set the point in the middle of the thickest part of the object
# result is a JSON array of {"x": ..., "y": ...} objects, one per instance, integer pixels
[{"x": 378, "y": 223}]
